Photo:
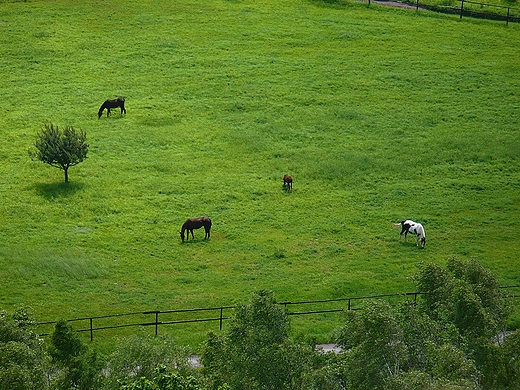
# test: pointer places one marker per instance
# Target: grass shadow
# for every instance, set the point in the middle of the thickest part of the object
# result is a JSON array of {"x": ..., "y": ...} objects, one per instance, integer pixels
[
  {"x": 338, "y": 4},
  {"x": 193, "y": 241},
  {"x": 51, "y": 191}
]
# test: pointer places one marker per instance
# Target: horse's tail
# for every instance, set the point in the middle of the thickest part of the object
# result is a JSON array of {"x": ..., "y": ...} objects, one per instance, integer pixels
[{"x": 422, "y": 232}]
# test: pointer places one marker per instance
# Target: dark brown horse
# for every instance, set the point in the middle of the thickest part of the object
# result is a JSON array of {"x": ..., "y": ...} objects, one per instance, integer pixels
[
  {"x": 108, "y": 104},
  {"x": 287, "y": 182},
  {"x": 195, "y": 223}
]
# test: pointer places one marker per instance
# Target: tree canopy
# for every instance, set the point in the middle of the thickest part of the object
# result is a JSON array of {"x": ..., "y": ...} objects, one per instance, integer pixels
[
  {"x": 448, "y": 340},
  {"x": 256, "y": 352}
]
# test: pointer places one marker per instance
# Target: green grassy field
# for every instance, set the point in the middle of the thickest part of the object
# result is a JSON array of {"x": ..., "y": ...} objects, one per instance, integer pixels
[{"x": 378, "y": 114}]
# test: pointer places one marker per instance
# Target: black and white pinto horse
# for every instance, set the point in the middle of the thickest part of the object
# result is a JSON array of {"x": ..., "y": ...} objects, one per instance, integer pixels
[
  {"x": 416, "y": 228},
  {"x": 108, "y": 104}
]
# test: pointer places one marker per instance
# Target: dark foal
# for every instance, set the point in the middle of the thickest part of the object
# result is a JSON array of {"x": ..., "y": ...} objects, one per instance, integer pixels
[{"x": 287, "y": 182}]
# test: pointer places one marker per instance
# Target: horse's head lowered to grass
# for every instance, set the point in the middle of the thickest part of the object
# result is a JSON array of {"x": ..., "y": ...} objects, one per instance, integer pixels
[
  {"x": 108, "y": 104},
  {"x": 195, "y": 223}
]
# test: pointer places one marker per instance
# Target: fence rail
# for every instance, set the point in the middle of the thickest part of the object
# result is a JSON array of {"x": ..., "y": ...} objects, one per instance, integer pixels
[
  {"x": 221, "y": 313},
  {"x": 469, "y": 8},
  {"x": 509, "y": 16}
]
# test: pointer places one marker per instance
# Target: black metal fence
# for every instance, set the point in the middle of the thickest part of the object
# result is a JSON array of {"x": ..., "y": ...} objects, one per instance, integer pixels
[
  {"x": 469, "y": 8},
  {"x": 159, "y": 318}
]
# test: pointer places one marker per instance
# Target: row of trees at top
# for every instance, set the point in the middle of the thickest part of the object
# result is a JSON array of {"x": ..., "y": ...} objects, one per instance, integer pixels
[{"x": 448, "y": 340}]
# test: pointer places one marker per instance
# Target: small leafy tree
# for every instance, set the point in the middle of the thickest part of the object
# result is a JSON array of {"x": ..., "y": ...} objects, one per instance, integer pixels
[{"x": 60, "y": 149}]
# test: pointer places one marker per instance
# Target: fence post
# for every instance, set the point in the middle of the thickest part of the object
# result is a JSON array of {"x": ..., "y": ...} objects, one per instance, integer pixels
[
  {"x": 417, "y": 6},
  {"x": 221, "y": 315},
  {"x": 91, "y": 331},
  {"x": 461, "y": 8},
  {"x": 507, "y": 19},
  {"x": 349, "y": 304},
  {"x": 156, "y": 323}
]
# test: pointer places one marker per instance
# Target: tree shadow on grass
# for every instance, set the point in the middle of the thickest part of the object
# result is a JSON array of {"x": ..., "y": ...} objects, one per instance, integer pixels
[{"x": 52, "y": 191}]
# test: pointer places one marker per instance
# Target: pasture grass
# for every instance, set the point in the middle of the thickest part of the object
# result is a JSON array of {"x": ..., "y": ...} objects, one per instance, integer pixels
[{"x": 378, "y": 114}]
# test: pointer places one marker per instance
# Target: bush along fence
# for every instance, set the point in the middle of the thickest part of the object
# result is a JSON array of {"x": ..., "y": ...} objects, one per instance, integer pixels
[
  {"x": 470, "y": 8},
  {"x": 157, "y": 318}
]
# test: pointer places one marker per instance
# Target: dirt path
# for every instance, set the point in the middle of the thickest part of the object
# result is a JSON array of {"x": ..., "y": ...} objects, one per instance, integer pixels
[{"x": 396, "y": 4}]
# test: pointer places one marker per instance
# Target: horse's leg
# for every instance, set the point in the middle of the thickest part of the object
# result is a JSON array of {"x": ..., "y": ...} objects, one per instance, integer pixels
[
  {"x": 401, "y": 234},
  {"x": 192, "y": 236}
]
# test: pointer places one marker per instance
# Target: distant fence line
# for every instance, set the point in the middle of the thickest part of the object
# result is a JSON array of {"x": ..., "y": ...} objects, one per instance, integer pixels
[
  {"x": 475, "y": 9},
  {"x": 221, "y": 313}
]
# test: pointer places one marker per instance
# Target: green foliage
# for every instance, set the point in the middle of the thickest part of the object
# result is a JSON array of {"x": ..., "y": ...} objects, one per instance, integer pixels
[
  {"x": 23, "y": 362},
  {"x": 256, "y": 352},
  {"x": 60, "y": 149},
  {"x": 164, "y": 380},
  {"x": 375, "y": 348},
  {"x": 138, "y": 357},
  {"x": 393, "y": 354},
  {"x": 79, "y": 368},
  {"x": 65, "y": 344},
  {"x": 448, "y": 340},
  {"x": 466, "y": 295}
]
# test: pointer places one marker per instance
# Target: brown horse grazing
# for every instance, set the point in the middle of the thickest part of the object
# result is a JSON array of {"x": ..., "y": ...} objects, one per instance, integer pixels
[
  {"x": 195, "y": 223},
  {"x": 108, "y": 104},
  {"x": 287, "y": 182}
]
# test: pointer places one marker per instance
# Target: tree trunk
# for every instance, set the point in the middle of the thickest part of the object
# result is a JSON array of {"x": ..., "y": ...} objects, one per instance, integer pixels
[{"x": 66, "y": 170}]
